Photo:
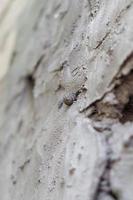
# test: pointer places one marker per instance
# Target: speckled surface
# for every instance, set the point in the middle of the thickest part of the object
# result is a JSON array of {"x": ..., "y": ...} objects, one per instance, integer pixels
[{"x": 51, "y": 150}]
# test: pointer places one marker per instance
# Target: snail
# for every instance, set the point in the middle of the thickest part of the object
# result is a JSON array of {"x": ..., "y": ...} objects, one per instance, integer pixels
[{"x": 70, "y": 98}]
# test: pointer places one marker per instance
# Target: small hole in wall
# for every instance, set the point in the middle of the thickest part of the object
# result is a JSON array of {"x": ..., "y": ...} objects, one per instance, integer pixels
[{"x": 30, "y": 80}]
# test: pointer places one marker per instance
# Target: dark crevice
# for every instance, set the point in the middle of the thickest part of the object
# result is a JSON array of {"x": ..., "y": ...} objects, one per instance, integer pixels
[
  {"x": 27, "y": 82},
  {"x": 120, "y": 83},
  {"x": 101, "y": 41},
  {"x": 104, "y": 186},
  {"x": 122, "y": 108},
  {"x": 40, "y": 59},
  {"x": 30, "y": 81},
  {"x": 127, "y": 113},
  {"x": 127, "y": 60}
]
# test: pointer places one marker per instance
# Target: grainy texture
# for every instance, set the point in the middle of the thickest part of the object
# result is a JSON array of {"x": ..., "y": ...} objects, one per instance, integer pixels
[{"x": 66, "y": 106}]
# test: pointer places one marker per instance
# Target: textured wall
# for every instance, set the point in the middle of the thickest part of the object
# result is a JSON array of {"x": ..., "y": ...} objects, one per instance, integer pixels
[{"x": 66, "y": 100}]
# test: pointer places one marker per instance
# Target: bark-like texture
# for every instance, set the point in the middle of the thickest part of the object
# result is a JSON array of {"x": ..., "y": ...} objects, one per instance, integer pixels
[{"x": 66, "y": 106}]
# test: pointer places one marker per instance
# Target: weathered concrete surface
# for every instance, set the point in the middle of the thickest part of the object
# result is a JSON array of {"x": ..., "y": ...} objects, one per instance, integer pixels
[{"x": 66, "y": 105}]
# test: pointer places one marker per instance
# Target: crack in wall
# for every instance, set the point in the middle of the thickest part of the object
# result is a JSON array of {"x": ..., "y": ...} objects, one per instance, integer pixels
[
  {"x": 104, "y": 187},
  {"x": 117, "y": 103}
]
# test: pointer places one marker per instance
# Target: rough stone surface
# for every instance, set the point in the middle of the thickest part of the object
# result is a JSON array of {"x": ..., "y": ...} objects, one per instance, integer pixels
[{"x": 66, "y": 105}]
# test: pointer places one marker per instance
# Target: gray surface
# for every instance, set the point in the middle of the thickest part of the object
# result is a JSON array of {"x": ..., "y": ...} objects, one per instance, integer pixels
[{"x": 52, "y": 153}]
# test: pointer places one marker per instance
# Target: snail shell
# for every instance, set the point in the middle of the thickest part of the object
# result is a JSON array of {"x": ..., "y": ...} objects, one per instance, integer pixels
[{"x": 69, "y": 99}]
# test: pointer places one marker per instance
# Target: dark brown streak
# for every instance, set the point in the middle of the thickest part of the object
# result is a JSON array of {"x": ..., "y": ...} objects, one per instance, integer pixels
[{"x": 101, "y": 41}]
